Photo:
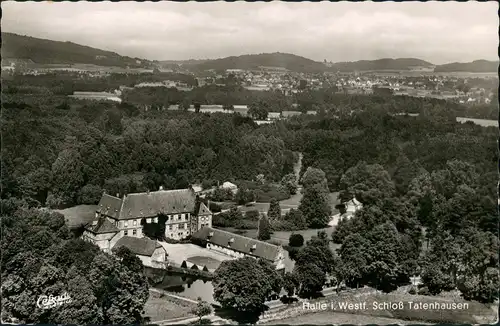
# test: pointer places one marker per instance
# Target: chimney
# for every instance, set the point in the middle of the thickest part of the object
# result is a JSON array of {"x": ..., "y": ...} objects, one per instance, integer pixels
[{"x": 161, "y": 188}]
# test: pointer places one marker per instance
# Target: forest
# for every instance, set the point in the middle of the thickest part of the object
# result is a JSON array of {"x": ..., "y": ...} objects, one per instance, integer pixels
[{"x": 428, "y": 184}]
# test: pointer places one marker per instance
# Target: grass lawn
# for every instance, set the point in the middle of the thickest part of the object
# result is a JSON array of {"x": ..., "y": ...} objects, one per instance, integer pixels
[
  {"x": 211, "y": 263},
  {"x": 77, "y": 215},
  {"x": 329, "y": 318},
  {"x": 160, "y": 308}
]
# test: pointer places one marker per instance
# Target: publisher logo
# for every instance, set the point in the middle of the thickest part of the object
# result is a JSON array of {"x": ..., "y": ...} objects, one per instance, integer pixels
[{"x": 48, "y": 302}]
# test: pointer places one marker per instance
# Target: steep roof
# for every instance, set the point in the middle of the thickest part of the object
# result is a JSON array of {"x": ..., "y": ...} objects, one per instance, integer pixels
[
  {"x": 242, "y": 244},
  {"x": 139, "y": 246},
  {"x": 109, "y": 206},
  {"x": 156, "y": 202},
  {"x": 102, "y": 225},
  {"x": 203, "y": 210}
]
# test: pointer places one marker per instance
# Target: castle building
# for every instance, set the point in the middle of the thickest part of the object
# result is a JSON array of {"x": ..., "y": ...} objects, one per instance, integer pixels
[{"x": 117, "y": 217}]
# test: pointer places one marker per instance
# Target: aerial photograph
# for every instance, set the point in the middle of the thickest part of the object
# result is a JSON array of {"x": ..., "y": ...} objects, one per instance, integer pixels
[{"x": 249, "y": 163}]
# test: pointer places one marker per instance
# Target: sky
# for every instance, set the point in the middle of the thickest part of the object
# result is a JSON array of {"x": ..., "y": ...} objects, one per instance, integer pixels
[{"x": 439, "y": 32}]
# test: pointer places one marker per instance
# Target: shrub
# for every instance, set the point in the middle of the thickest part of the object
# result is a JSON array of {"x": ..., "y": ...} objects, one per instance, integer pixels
[
  {"x": 215, "y": 208},
  {"x": 424, "y": 291},
  {"x": 252, "y": 215},
  {"x": 205, "y": 269},
  {"x": 296, "y": 240},
  {"x": 195, "y": 267},
  {"x": 184, "y": 264},
  {"x": 412, "y": 290}
]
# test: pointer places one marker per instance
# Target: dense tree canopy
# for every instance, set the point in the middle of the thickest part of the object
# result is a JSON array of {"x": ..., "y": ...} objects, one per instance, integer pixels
[{"x": 39, "y": 257}]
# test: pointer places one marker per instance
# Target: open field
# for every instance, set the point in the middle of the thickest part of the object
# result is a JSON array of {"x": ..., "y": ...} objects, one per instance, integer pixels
[
  {"x": 405, "y": 307},
  {"x": 329, "y": 318},
  {"x": 160, "y": 307},
  {"x": 77, "y": 215}
]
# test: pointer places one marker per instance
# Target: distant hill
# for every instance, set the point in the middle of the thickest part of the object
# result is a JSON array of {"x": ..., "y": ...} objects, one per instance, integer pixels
[
  {"x": 474, "y": 66},
  {"x": 43, "y": 51},
  {"x": 381, "y": 64},
  {"x": 251, "y": 61}
]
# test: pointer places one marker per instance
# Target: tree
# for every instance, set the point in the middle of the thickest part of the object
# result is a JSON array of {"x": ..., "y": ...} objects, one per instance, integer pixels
[
  {"x": 315, "y": 207},
  {"x": 197, "y": 107},
  {"x": 244, "y": 196},
  {"x": 296, "y": 240},
  {"x": 313, "y": 177},
  {"x": 243, "y": 284},
  {"x": 274, "y": 211},
  {"x": 384, "y": 269},
  {"x": 202, "y": 309},
  {"x": 296, "y": 218},
  {"x": 290, "y": 182},
  {"x": 290, "y": 283},
  {"x": 258, "y": 111},
  {"x": 355, "y": 259},
  {"x": 368, "y": 183},
  {"x": 67, "y": 172},
  {"x": 264, "y": 228},
  {"x": 90, "y": 194}
]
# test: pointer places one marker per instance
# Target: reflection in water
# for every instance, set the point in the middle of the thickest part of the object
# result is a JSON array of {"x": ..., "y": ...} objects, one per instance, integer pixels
[{"x": 188, "y": 286}]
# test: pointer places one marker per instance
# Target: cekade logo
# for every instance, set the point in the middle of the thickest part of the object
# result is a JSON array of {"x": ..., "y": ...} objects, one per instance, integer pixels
[{"x": 47, "y": 302}]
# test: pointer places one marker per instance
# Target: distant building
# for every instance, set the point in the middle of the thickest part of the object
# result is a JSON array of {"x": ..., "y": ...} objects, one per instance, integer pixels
[
  {"x": 288, "y": 114},
  {"x": 238, "y": 246},
  {"x": 230, "y": 186},
  {"x": 273, "y": 115},
  {"x": 97, "y": 96}
]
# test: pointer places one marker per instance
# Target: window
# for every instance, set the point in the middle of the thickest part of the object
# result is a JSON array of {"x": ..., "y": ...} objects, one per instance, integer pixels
[
  {"x": 156, "y": 219},
  {"x": 149, "y": 220},
  {"x": 181, "y": 226},
  {"x": 169, "y": 227},
  {"x": 135, "y": 222},
  {"x": 126, "y": 232},
  {"x": 126, "y": 223},
  {"x": 134, "y": 232}
]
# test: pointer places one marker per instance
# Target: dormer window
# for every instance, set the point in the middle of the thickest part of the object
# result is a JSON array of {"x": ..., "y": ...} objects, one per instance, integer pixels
[
  {"x": 94, "y": 222},
  {"x": 253, "y": 247},
  {"x": 231, "y": 240},
  {"x": 211, "y": 234}
]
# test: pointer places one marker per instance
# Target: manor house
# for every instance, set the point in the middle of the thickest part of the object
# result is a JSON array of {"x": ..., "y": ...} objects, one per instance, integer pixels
[{"x": 117, "y": 217}]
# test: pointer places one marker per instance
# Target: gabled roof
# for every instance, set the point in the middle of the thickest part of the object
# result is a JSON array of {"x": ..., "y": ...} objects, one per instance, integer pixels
[
  {"x": 139, "y": 246},
  {"x": 228, "y": 184},
  {"x": 203, "y": 210},
  {"x": 100, "y": 226},
  {"x": 240, "y": 243},
  {"x": 353, "y": 201},
  {"x": 109, "y": 206},
  {"x": 155, "y": 202}
]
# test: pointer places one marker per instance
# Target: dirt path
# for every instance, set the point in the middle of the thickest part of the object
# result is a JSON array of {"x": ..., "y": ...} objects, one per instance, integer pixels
[{"x": 298, "y": 167}]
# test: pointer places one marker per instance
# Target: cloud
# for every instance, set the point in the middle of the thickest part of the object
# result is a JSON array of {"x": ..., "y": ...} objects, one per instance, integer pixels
[{"x": 341, "y": 31}]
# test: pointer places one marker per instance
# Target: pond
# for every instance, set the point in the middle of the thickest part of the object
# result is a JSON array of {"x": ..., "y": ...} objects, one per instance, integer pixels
[{"x": 190, "y": 287}]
